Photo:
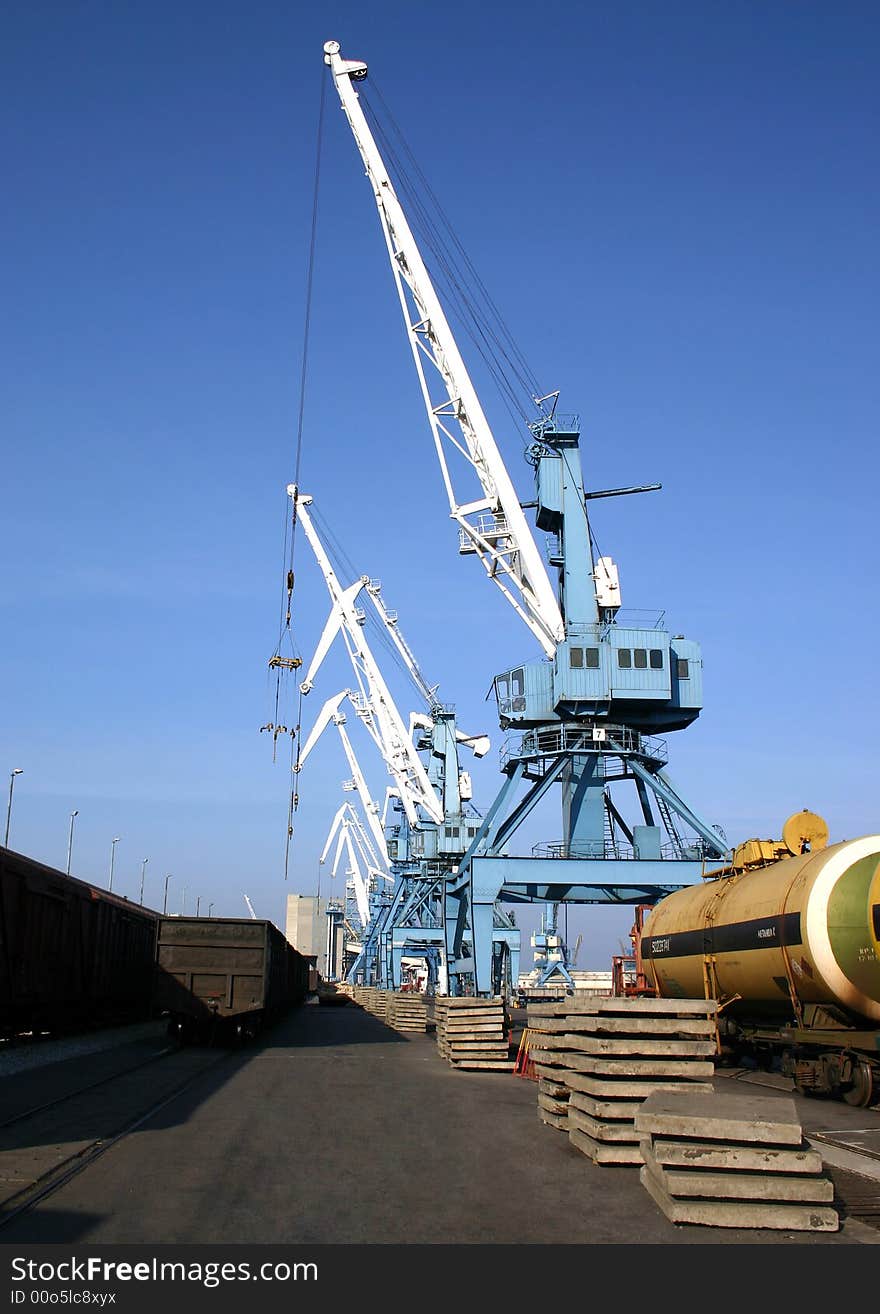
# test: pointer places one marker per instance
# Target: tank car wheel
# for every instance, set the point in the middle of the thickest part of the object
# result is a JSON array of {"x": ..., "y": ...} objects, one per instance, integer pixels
[{"x": 861, "y": 1092}]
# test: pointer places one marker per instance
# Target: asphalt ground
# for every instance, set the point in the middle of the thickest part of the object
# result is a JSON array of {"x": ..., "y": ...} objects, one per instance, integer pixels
[{"x": 335, "y": 1129}]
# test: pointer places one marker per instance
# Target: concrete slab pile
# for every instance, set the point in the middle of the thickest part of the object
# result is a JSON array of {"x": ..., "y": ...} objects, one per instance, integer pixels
[
  {"x": 407, "y": 1011},
  {"x": 375, "y": 1001},
  {"x": 733, "y": 1160},
  {"x": 611, "y": 1055},
  {"x": 473, "y": 1033},
  {"x": 553, "y": 1093}
]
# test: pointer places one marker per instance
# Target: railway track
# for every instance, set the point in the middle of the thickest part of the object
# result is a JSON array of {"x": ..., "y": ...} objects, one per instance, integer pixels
[{"x": 43, "y": 1146}]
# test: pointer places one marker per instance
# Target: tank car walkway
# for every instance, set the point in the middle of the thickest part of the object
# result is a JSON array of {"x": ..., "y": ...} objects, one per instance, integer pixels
[{"x": 335, "y": 1129}]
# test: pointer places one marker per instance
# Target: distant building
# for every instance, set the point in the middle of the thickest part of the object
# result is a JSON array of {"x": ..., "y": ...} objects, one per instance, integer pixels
[{"x": 307, "y": 928}]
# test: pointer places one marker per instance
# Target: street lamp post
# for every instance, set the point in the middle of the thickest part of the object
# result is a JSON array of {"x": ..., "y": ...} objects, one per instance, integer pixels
[
  {"x": 16, "y": 771},
  {"x": 198, "y": 901},
  {"x": 210, "y": 906},
  {"x": 165, "y": 899},
  {"x": 113, "y": 844},
  {"x": 74, "y": 813},
  {"x": 183, "y": 902},
  {"x": 143, "y": 873}
]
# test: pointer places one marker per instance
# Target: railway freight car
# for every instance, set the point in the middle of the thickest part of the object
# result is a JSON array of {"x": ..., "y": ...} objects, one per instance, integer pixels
[
  {"x": 788, "y": 940},
  {"x": 71, "y": 955},
  {"x": 221, "y": 977}
]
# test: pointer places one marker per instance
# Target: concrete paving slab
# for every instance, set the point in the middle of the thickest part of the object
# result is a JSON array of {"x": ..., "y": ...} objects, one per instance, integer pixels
[
  {"x": 627, "y": 1088},
  {"x": 557, "y": 1089},
  {"x": 603, "y": 1131},
  {"x": 603, "y": 1065},
  {"x": 734, "y": 1158},
  {"x": 559, "y": 1121},
  {"x": 553, "y": 1106},
  {"x": 604, "y": 1110},
  {"x": 694, "y": 1184},
  {"x": 738, "y": 1213},
  {"x": 745, "y": 1117},
  {"x": 603, "y": 1153},
  {"x": 638, "y": 1046},
  {"x": 641, "y": 1025},
  {"x": 673, "y": 1007},
  {"x": 484, "y": 1065}
]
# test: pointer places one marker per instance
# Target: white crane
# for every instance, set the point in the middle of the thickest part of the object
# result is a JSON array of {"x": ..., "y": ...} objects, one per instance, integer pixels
[
  {"x": 328, "y": 714},
  {"x": 351, "y": 837},
  {"x": 492, "y": 525},
  {"x": 373, "y": 703},
  {"x": 250, "y": 908}
]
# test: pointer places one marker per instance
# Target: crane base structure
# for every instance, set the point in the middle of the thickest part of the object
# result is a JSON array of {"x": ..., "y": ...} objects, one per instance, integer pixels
[{"x": 603, "y": 861}]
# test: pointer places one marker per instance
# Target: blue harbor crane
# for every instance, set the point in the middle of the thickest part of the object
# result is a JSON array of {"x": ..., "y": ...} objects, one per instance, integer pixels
[{"x": 588, "y": 714}]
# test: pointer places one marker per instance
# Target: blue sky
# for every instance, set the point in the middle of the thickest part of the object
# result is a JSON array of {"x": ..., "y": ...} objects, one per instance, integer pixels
[{"x": 675, "y": 207}]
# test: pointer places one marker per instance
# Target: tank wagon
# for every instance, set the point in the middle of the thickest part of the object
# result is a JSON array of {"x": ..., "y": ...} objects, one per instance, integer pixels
[
  {"x": 71, "y": 955},
  {"x": 224, "y": 977},
  {"x": 788, "y": 941}
]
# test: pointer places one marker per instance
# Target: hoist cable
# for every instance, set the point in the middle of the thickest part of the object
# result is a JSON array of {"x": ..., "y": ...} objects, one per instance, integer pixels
[
  {"x": 522, "y": 366},
  {"x": 492, "y": 344},
  {"x": 474, "y": 322},
  {"x": 295, "y": 739}
]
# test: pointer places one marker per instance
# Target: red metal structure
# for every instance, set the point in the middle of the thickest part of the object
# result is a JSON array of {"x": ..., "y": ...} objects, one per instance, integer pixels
[{"x": 627, "y": 970}]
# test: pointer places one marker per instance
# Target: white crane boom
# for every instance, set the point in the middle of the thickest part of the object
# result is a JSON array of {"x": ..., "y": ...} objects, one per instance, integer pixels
[
  {"x": 375, "y": 706},
  {"x": 344, "y": 827},
  {"x": 389, "y": 620},
  {"x": 492, "y": 526},
  {"x": 250, "y": 907},
  {"x": 330, "y": 712}
]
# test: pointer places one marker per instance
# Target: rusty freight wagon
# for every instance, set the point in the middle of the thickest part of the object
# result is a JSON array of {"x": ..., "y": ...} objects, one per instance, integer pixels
[
  {"x": 72, "y": 956},
  {"x": 224, "y": 977}
]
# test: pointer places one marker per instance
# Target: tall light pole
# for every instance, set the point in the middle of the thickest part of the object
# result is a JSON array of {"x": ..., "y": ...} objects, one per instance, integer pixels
[
  {"x": 183, "y": 902},
  {"x": 210, "y": 906},
  {"x": 74, "y": 813},
  {"x": 113, "y": 843},
  {"x": 143, "y": 873},
  {"x": 16, "y": 771},
  {"x": 198, "y": 901},
  {"x": 165, "y": 899}
]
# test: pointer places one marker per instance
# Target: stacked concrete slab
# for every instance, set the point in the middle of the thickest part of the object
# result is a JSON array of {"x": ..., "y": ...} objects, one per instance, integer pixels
[
  {"x": 733, "y": 1160},
  {"x": 472, "y": 1033},
  {"x": 375, "y": 1001},
  {"x": 611, "y": 1055},
  {"x": 407, "y": 1012},
  {"x": 553, "y": 1093}
]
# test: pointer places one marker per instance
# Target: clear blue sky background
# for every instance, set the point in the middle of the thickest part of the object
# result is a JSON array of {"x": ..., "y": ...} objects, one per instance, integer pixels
[{"x": 675, "y": 206}]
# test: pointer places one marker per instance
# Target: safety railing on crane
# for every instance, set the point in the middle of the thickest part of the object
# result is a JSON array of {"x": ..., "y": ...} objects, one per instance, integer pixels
[{"x": 553, "y": 740}]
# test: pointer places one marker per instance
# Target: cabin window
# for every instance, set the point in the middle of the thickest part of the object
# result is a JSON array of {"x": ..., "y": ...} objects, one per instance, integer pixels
[
  {"x": 656, "y": 659},
  {"x": 517, "y": 683},
  {"x": 576, "y": 658},
  {"x": 624, "y": 658},
  {"x": 591, "y": 658},
  {"x": 641, "y": 659},
  {"x": 683, "y": 668}
]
